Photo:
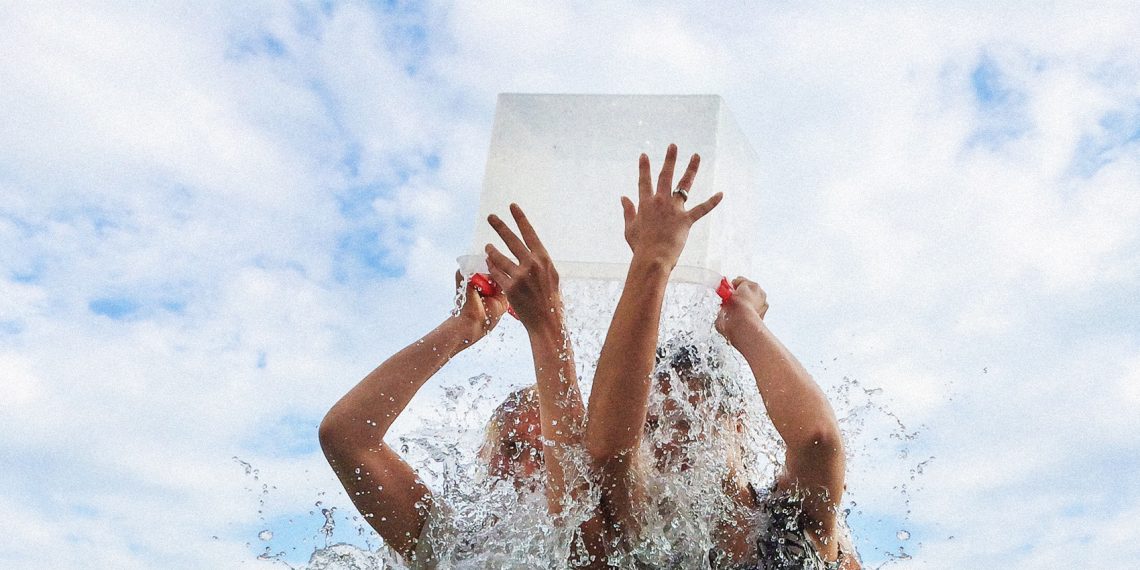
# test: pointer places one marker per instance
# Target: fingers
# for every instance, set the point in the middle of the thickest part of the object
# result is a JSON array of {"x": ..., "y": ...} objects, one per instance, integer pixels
[
  {"x": 527, "y": 230},
  {"x": 690, "y": 173},
  {"x": 743, "y": 281},
  {"x": 501, "y": 262},
  {"x": 644, "y": 179},
  {"x": 700, "y": 210},
  {"x": 629, "y": 210},
  {"x": 665, "y": 179},
  {"x": 499, "y": 276},
  {"x": 513, "y": 242}
]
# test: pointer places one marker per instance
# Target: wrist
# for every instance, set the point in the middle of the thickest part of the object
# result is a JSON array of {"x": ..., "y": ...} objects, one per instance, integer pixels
[
  {"x": 548, "y": 324},
  {"x": 461, "y": 332},
  {"x": 739, "y": 320},
  {"x": 549, "y": 330},
  {"x": 649, "y": 265}
]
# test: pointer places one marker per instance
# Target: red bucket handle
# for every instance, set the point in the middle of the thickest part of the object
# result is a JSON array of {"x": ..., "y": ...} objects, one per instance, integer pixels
[
  {"x": 724, "y": 290},
  {"x": 485, "y": 286}
]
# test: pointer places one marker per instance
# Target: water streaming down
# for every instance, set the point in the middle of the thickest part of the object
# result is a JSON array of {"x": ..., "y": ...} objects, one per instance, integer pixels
[{"x": 479, "y": 521}]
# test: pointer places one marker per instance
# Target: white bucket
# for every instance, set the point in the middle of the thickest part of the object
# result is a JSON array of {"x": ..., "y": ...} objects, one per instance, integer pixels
[{"x": 567, "y": 160}]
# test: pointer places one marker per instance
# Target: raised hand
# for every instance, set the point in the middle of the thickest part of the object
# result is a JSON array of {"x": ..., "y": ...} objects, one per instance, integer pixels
[
  {"x": 658, "y": 226},
  {"x": 531, "y": 285},
  {"x": 748, "y": 301},
  {"x": 480, "y": 312},
  {"x": 531, "y": 282},
  {"x": 814, "y": 462}
]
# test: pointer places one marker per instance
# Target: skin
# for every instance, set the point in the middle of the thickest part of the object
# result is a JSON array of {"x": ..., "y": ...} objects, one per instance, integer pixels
[
  {"x": 516, "y": 451},
  {"x": 530, "y": 282},
  {"x": 814, "y": 463},
  {"x": 656, "y": 230},
  {"x": 384, "y": 488}
]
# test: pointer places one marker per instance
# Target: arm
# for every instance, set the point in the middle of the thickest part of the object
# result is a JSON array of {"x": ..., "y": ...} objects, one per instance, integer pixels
[
  {"x": 382, "y": 486},
  {"x": 656, "y": 229},
  {"x": 814, "y": 462},
  {"x": 531, "y": 286}
]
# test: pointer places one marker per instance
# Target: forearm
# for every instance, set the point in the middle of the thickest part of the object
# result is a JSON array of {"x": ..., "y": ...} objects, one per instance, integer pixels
[
  {"x": 797, "y": 406},
  {"x": 620, "y": 393},
  {"x": 560, "y": 404},
  {"x": 362, "y": 417},
  {"x": 562, "y": 422},
  {"x": 383, "y": 487}
]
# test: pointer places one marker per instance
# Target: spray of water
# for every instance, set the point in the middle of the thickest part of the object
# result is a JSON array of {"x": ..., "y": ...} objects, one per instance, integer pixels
[{"x": 480, "y": 521}]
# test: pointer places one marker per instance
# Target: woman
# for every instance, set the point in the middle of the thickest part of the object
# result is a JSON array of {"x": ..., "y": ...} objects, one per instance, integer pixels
[
  {"x": 534, "y": 428},
  {"x": 804, "y": 529}
]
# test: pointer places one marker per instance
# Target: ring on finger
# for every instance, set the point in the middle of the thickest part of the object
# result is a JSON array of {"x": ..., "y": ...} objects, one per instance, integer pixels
[{"x": 682, "y": 192}]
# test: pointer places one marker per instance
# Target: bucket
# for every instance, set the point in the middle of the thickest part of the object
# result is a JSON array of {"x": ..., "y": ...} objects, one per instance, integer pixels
[{"x": 567, "y": 160}]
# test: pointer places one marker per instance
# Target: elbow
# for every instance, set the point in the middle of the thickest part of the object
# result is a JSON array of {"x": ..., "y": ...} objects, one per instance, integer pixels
[
  {"x": 332, "y": 434},
  {"x": 327, "y": 433},
  {"x": 821, "y": 441}
]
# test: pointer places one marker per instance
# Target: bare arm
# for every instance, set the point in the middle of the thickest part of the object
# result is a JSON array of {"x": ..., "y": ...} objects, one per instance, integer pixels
[
  {"x": 814, "y": 463},
  {"x": 380, "y": 483},
  {"x": 656, "y": 230},
  {"x": 531, "y": 286}
]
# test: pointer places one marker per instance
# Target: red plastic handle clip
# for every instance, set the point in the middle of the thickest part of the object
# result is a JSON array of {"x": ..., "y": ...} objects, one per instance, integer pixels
[
  {"x": 724, "y": 290},
  {"x": 485, "y": 286}
]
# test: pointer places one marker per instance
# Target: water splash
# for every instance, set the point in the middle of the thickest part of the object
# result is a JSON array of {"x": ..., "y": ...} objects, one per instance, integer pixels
[
  {"x": 480, "y": 521},
  {"x": 460, "y": 296}
]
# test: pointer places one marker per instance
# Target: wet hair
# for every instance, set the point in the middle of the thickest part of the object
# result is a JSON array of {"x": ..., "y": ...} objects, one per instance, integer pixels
[
  {"x": 700, "y": 367},
  {"x": 519, "y": 402},
  {"x": 687, "y": 359}
]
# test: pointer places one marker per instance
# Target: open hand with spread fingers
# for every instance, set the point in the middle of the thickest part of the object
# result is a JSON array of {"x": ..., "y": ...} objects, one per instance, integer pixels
[
  {"x": 530, "y": 280},
  {"x": 658, "y": 226}
]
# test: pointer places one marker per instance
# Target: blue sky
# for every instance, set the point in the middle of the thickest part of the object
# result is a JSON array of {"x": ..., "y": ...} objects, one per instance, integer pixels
[{"x": 216, "y": 218}]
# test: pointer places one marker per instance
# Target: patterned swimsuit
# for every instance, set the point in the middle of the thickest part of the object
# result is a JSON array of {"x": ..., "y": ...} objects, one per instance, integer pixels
[
  {"x": 784, "y": 544},
  {"x": 780, "y": 538}
]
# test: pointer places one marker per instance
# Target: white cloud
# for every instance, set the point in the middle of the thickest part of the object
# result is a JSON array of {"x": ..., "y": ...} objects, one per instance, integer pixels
[
  {"x": 21, "y": 386},
  {"x": 191, "y": 161}
]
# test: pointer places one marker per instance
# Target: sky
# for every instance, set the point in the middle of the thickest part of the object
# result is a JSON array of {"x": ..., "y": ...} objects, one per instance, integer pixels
[{"x": 216, "y": 217}]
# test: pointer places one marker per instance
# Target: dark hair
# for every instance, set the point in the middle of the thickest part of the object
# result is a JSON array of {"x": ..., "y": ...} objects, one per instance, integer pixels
[
  {"x": 702, "y": 370},
  {"x": 682, "y": 355}
]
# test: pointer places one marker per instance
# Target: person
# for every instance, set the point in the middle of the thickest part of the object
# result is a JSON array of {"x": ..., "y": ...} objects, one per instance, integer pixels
[
  {"x": 512, "y": 446},
  {"x": 383, "y": 487},
  {"x": 800, "y": 509},
  {"x": 530, "y": 435},
  {"x": 803, "y": 530}
]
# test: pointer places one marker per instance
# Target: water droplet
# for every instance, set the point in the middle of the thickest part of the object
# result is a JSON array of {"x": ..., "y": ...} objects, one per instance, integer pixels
[
  {"x": 265, "y": 535},
  {"x": 903, "y": 535}
]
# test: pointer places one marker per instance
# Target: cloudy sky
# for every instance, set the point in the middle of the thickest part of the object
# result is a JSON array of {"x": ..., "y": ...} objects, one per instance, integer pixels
[{"x": 215, "y": 218}]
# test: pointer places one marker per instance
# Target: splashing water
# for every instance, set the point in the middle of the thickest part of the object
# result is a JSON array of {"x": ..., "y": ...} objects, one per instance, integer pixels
[
  {"x": 479, "y": 521},
  {"x": 460, "y": 297}
]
